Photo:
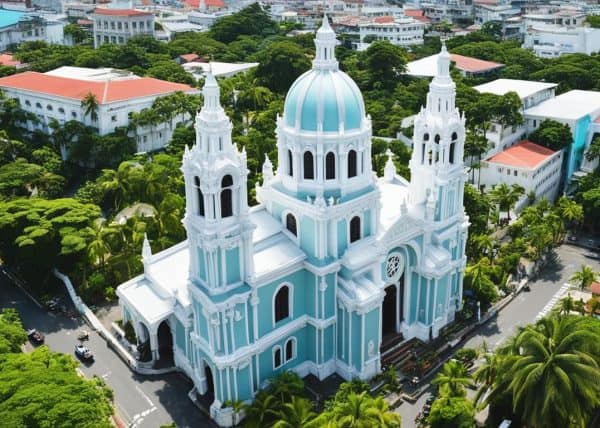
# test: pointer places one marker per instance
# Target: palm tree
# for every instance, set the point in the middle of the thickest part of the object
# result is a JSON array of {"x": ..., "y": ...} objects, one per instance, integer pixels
[
  {"x": 506, "y": 196},
  {"x": 362, "y": 411},
  {"x": 585, "y": 276},
  {"x": 296, "y": 414},
  {"x": 567, "y": 305},
  {"x": 286, "y": 385},
  {"x": 452, "y": 379},
  {"x": 593, "y": 305},
  {"x": 99, "y": 247},
  {"x": 553, "y": 375},
  {"x": 570, "y": 211},
  {"x": 89, "y": 103},
  {"x": 259, "y": 412}
]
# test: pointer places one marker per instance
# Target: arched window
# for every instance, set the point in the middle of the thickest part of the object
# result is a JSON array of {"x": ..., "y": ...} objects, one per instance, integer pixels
[
  {"x": 290, "y": 350},
  {"x": 330, "y": 166},
  {"x": 437, "y": 139},
  {"x": 226, "y": 196},
  {"x": 27, "y": 103},
  {"x": 38, "y": 105},
  {"x": 426, "y": 137},
  {"x": 49, "y": 107},
  {"x": 423, "y": 154},
  {"x": 277, "y": 357},
  {"x": 290, "y": 164},
  {"x": 290, "y": 224},
  {"x": 309, "y": 168},
  {"x": 452, "y": 148},
  {"x": 354, "y": 229},
  {"x": 282, "y": 303},
  {"x": 352, "y": 164},
  {"x": 200, "y": 197},
  {"x": 61, "y": 110}
]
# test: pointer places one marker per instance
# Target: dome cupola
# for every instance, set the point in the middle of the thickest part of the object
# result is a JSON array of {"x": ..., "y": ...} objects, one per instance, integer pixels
[
  {"x": 324, "y": 99},
  {"x": 324, "y": 136}
]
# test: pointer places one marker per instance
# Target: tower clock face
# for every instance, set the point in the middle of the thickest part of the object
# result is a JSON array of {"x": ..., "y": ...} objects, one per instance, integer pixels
[{"x": 394, "y": 266}]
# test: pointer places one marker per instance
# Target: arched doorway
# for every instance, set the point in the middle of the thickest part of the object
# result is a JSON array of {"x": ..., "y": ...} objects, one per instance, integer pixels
[
  {"x": 210, "y": 383},
  {"x": 389, "y": 310},
  {"x": 165, "y": 341}
]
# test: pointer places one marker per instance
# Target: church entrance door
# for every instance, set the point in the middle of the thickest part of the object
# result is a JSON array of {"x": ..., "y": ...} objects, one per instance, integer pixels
[
  {"x": 210, "y": 385},
  {"x": 389, "y": 308}
]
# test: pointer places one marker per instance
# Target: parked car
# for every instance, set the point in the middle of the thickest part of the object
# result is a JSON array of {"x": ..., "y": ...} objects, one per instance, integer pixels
[
  {"x": 83, "y": 335},
  {"x": 83, "y": 352},
  {"x": 35, "y": 336},
  {"x": 591, "y": 255},
  {"x": 53, "y": 304},
  {"x": 572, "y": 238}
]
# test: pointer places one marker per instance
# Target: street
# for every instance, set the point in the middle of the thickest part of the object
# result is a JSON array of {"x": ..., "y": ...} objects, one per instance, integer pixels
[
  {"x": 141, "y": 401},
  {"x": 546, "y": 290}
]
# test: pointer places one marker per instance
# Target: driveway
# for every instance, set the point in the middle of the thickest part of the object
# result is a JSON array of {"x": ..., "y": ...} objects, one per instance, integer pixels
[
  {"x": 546, "y": 290},
  {"x": 141, "y": 401}
]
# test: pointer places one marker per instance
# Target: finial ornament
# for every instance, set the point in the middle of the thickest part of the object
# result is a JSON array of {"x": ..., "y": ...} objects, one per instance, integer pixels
[
  {"x": 146, "y": 249},
  {"x": 389, "y": 171}
]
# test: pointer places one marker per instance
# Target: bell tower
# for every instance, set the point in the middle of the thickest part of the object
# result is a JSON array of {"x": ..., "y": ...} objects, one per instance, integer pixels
[
  {"x": 437, "y": 169},
  {"x": 216, "y": 219}
]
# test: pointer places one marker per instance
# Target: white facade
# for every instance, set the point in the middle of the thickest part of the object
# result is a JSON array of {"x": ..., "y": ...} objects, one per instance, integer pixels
[
  {"x": 111, "y": 114},
  {"x": 530, "y": 93},
  {"x": 551, "y": 41},
  {"x": 29, "y": 28},
  {"x": 404, "y": 31},
  {"x": 119, "y": 25},
  {"x": 516, "y": 166},
  {"x": 489, "y": 12}
]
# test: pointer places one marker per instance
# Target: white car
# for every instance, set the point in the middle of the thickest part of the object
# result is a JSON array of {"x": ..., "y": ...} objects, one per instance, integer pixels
[{"x": 83, "y": 352}]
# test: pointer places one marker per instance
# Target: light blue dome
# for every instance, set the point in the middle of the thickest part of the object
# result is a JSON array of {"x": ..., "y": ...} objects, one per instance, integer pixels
[{"x": 329, "y": 97}]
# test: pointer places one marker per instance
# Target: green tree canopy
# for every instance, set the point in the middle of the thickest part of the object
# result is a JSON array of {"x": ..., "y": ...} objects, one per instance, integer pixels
[
  {"x": 252, "y": 20},
  {"x": 280, "y": 64},
  {"x": 552, "y": 134}
]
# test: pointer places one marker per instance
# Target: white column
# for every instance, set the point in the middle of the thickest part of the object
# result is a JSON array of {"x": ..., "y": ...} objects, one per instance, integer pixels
[{"x": 362, "y": 341}]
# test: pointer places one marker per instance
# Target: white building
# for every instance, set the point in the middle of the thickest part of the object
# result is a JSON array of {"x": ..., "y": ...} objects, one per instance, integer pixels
[
  {"x": 551, "y": 41},
  {"x": 530, "y": 93},
  {"x": 493, "y": 12},
  {"x": 535, "y": 168},
  {"x": 18, "y": 26},
  {"x": 119, "y": 25},
  {"x": 58, "y": 94},
  {"x": 217, "y": 69},
  {"x": 468, "y": 66},
  {"x": 580, "y": 110},
  {"x": 399, "y": 31}
]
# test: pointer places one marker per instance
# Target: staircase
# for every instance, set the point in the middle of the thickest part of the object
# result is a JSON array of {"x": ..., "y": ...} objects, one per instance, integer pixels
[{"x": 404, "y": 355}]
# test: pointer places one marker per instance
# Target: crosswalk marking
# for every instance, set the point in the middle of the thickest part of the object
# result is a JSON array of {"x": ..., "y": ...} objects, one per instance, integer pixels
[{"x": 553, "y": 301}]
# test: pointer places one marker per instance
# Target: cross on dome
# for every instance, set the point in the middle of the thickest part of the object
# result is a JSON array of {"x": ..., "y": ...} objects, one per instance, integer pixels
[{"x": 325, "y": 43}]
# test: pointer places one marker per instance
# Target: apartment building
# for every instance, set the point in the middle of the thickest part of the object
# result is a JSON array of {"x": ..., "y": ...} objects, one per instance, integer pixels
[{"x": 119, "y": 25}]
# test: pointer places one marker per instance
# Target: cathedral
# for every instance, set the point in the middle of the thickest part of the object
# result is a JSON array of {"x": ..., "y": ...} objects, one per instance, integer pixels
[{"x": 331, "y": 261}]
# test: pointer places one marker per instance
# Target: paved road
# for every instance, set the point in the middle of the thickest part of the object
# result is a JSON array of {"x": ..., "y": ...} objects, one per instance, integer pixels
[
  {"x": 142, "y": 401},
  {"x": 524, "y": 309}
]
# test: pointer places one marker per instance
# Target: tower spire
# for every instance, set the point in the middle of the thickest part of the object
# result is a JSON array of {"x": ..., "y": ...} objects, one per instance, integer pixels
[{"x": 325, "y": 43}]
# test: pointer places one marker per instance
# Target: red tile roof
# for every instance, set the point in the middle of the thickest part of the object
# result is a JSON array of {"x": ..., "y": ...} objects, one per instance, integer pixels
[
  {"x": 417, "y": 14},
  {"x": 120, "y": 12},
  {"x": 524, "y": 154},
  {"x": 209, "y": 3},
  {"x": 384, "y": 19},
  {"x": 85, "y": 22},
  {"x": 473, "y": 65},
  {"x": 595, "y": 287},
  {"x": 189, "y": 57},
  {"x": 8, "y": 60},
  {"x": 105, "y": 92}
]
